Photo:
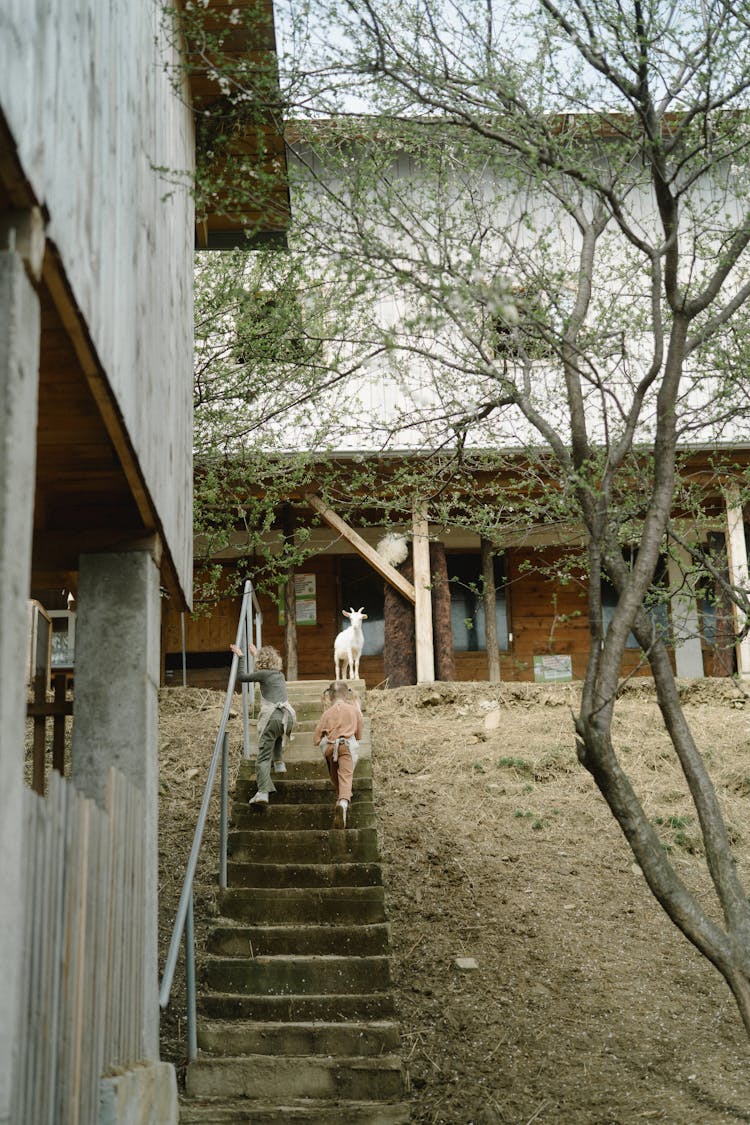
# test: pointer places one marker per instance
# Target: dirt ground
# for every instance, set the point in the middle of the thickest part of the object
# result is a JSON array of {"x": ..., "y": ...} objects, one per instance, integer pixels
[{"x": 586, "y": 1006}]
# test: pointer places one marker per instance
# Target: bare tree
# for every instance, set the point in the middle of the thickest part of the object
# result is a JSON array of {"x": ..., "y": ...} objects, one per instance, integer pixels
[
  {"x": 541, "y": 231},
  {"x": 570, "y": 240}
]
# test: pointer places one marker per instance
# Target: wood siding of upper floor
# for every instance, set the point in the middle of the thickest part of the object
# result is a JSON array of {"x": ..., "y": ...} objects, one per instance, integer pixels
[{"x": 88, "y": 98}]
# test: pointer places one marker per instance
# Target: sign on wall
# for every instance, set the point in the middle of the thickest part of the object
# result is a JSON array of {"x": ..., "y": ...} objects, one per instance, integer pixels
[
  {"x": 549, "y": 669},
  {"x": 305, "y": 596}
]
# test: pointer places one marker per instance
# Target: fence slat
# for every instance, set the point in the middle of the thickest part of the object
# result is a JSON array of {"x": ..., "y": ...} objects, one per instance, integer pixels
[{"x": 81, "y": 998}]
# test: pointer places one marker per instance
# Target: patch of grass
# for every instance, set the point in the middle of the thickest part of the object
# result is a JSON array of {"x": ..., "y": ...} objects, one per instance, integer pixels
[
  {"x": 537, "y": 822},
  {"x": 479, "y": 767},
  {"x": 518, "y": 764},
  {"x": 676, "y": 834}
]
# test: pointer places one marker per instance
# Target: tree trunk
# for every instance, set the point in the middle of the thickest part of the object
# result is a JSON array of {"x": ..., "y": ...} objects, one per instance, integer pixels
[
  {"x": 290, "y": 629},
  {"x": 490, "y": 612},
  {"x": 442, "y": 631},
  {"x": 399, "y": 645}
]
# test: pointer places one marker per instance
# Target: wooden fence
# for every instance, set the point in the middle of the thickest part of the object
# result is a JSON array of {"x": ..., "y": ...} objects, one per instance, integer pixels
[{"x": 82, "y": 974}]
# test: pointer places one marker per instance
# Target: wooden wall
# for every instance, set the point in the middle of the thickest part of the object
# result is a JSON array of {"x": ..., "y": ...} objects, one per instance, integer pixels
[
  {"x": 214, "y": 633},
  {"x": 82, "y": 966},
  {"x": 91, "y": 110},
  {"x": 545, "y": 615}
]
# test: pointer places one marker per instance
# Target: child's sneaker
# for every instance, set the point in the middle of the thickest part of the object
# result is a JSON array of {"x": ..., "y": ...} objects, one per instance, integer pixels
[
  {"x": 339, "y": 816},
  {"x": 259, "y": 803},
  {"x": 279, "y": 767}
]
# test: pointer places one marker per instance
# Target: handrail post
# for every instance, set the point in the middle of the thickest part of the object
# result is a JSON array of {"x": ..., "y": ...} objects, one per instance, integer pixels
[
  {"x": 190, "y": 981},
  {"x": 224, "y": 804},
  {"x": 246, "y": 687},
  {"x": 178, "y": 929}
]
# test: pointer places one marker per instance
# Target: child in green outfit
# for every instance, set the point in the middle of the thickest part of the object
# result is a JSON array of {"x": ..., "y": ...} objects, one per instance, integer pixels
[{"x": 275, "y": 718}]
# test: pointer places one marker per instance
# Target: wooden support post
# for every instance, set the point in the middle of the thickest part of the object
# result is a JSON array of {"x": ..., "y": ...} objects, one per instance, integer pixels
[
  {"x": 422, "y": 595},
  {"x": 58, "y": 725},
  {"x": 442, "y": 630},
  {"x": 290, "y": 603},
  {"x": 738, "y": 572},
  {"x": 490, "y": 612}
]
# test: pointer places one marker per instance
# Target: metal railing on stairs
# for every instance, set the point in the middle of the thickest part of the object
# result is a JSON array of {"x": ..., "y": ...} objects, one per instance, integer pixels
[{"x": 250, "y": 623}]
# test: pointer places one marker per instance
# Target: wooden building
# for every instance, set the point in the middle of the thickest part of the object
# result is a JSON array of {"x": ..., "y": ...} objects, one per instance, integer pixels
[
  {"x": 540, "y": 591},
  {"x": 96, "y": 345}
]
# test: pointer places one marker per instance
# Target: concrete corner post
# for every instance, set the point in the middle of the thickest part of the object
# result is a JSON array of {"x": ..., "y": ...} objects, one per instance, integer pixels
[
  {"x": 116, "y": 714},
  {"x": 19, "y": 381},
  {"x": 738, "y": 572}
]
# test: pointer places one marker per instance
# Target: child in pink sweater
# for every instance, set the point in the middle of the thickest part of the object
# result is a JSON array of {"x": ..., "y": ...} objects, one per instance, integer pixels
[{"x": 338, "y": 733}]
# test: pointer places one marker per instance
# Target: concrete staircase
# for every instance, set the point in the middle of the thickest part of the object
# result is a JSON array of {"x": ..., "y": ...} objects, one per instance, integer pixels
[{"x": 296, "y": 1008}]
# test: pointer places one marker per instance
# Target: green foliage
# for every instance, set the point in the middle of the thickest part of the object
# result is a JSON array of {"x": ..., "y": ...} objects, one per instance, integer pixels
[{"x": 518, "y": 764}]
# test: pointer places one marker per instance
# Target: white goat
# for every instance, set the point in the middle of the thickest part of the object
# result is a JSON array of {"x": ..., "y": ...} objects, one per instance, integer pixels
[{"x": 347, "y": 648}]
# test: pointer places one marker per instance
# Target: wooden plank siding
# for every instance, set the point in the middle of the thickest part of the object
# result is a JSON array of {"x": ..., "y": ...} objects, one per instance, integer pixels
[
  {"x": 545, "y": 614},
  {"x": 81, "y": 976},
  {"x": 206, "y": 634}
]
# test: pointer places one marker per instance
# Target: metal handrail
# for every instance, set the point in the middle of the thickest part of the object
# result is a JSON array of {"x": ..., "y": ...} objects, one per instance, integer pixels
[{"x": 183, "y": 923}]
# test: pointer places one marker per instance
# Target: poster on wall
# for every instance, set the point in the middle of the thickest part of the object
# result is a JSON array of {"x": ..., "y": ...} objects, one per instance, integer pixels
[
  {"x": 305, "y": 596},
  {"x": 549, "y": 669}
]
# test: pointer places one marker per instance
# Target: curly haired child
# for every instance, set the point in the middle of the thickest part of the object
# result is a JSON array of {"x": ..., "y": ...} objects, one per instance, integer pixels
[{"x": 275, "y": 718}]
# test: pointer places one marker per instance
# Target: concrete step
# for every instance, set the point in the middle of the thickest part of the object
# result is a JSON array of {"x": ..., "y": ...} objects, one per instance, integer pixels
[
  {"x": 292, "y": 818},
  {"x": 296, "y": 975},
  {"x": 333, "y": 1008},
  {"x": 304, "y": 874},
  {"x": 210, "y": 1111},
  {"x": 261, "y": 941},
  {"x": 309, "y": 766},
  {"x": 313, "y": 689},
  {"x": 356, "y": 845},
  {"x": 320, "y": 905},
  {"x": 293, "y": 790},
  {"x": 320, "y": 685},
  {"x": 376, "y": 1037},
  {"x": 304, "y": 1076}
]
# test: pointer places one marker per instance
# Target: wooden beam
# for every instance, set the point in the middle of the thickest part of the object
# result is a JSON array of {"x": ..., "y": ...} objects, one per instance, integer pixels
[
  {"x": 423, "y": 595},
  {"x": 368, "y": 553},
  {"x": 55, "y": 551}
]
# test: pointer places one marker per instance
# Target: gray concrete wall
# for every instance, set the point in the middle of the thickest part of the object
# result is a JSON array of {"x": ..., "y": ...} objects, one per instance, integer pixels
[
  {"x": 19, "y": 363},
  {"x": 116, "y": 716},
  {"x": 93, "y": 113}
]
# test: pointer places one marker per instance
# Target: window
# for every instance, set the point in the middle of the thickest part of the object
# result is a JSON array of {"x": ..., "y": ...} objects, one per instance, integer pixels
[
  {"x": 656, "y": 603},
  {"x": 530, "y": 337},
  {"x": 269, "y": 327},
  {"x": 361, "y": 585},
  {"x": 467, "y": 604}
]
